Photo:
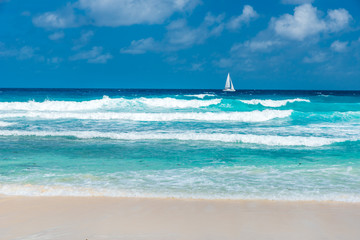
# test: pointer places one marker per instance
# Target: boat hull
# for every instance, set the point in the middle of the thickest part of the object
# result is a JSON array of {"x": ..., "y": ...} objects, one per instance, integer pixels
[{"x": 229, "y": 90}]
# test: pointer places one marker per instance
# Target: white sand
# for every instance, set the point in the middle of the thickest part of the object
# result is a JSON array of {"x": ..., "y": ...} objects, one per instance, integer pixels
[{"x": 97, "y": 218}]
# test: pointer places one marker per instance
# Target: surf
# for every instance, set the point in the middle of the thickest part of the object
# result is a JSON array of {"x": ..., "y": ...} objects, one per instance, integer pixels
[
  {"x": 252, "y": 116},
  {"x": 273, "y": 103},
  {"x": 106, "y": 103},
  {"x": 270, "y": 140}
]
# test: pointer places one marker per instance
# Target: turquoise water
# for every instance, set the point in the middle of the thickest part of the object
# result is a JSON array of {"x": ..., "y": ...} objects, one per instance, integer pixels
[{"x": 281, "y": 145}]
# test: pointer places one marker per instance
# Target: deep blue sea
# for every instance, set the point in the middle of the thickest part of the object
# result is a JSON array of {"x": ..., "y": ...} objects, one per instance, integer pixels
[{"x": 277, "y": 145}]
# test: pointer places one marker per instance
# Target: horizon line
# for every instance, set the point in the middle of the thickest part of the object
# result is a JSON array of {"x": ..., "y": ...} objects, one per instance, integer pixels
[{"x": 204, "y": 89}]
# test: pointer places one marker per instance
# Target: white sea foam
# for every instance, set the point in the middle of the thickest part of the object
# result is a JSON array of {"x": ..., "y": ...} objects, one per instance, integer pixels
[
  {"x": 43, "y": 190},
  {"x": 270, "y": 140},
  {"x": 178, "y": 103},
  {"x": 201, "y": 95},
  {"x": 253, "y": 116},
  {"x": 5, "y": 124},
  {"x": 106, "y": 103},
  {"x": 61, "y": 190},
  {"x": 273, "y": 103}
]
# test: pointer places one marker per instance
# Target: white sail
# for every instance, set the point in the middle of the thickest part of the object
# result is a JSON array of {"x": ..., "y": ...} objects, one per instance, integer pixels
[
  {"x": 228, "y": 82},
  {"x": 229, "y": 86}
]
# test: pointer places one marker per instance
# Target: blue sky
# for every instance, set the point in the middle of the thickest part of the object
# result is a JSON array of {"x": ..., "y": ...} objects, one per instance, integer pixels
[{"x": 269, "y": 44}]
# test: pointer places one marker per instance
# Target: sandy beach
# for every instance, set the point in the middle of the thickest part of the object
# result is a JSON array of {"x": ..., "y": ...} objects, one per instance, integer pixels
[{"x": 135, "y": 218}]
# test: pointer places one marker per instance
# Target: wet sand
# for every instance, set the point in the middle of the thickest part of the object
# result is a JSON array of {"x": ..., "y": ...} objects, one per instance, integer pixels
[{"x": 97, "y": 218}]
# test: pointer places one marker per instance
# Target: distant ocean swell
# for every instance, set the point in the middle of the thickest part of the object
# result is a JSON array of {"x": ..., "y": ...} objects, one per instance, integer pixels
[{"x": 186, "y": 144}]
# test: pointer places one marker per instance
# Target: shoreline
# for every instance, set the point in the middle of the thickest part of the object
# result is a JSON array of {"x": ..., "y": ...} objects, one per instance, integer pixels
[
  {"x": 154, "y": 218},
  {"x": 159, "y": 198}
]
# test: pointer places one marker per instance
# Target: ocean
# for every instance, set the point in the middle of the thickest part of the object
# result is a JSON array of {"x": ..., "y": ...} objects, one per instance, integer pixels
[{"x": 202, "y": 144}]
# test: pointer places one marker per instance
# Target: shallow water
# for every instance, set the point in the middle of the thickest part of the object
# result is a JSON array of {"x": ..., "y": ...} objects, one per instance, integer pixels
[{"x": 290, "y": 145}]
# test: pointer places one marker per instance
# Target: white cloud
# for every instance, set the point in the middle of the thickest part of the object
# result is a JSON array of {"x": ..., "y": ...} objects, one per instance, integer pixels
[
  {"x": 113, "y": 13},
  {"x": 64, "y": 18},
  {"x": 224, "y": 63},
  {"x": 95, "y": 55},
  {"x": 56, "y": 36},
  {"x": 303, "y": 23},
  {"x": 257, "y": 45},
  {"x": 306, "y": 22},
  {"x": 257, "y": 53},
  {"x": 128, "y": 12},
  {"x": 140, "y": 46},
  {"x": 338, "y": 46},
  {"x": 83, "y": 40},
  {"x": 23, "y": 53},
  {"x": 197, "y": 66},
  {"x": 316, "y": 57},
  {"x": 338, "y": 19},
  {"x": 179, "y": 36},
  {"x": 296, "y": 1},
  {"x": 6, "y": 52},
  {"x": 247, "y": 15}
]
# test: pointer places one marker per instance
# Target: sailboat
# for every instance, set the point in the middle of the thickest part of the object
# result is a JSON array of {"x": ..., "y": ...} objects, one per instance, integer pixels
[{"x": 229, "y": 86}]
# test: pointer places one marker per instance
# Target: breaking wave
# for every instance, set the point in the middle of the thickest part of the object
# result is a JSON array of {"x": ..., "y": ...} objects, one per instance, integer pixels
[
  {"x": 271, "y": 140},
  {"x": 5, "y": 124},
  {"x": 177, "y": 103},
  {"x": 201, "y": 95},
  {"x": 273, "y": 103},
  {"x": 106, "y": 103},
  {"x": 253, "y": 116}
]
